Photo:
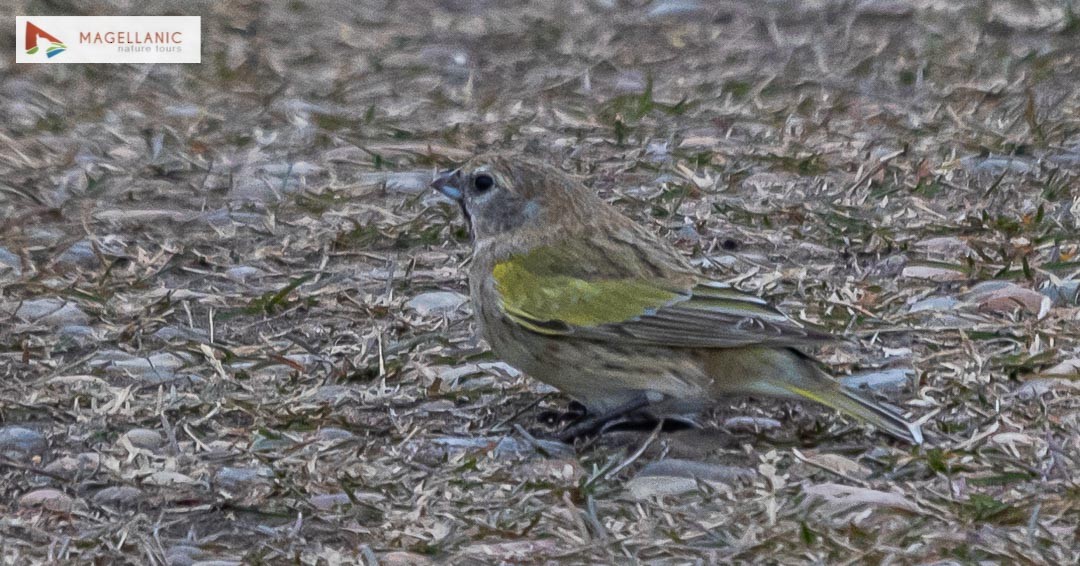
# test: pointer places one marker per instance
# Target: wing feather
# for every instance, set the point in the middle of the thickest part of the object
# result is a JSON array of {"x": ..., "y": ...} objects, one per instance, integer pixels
[{"x": 673, "y": 312}]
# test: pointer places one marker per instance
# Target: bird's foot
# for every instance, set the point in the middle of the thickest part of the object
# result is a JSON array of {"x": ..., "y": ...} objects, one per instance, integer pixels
[
  {"x": 597, "y": 424},
  {"x": 574, "y": 412}
]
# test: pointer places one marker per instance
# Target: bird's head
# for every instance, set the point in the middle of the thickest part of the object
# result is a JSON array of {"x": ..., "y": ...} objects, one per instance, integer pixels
[{"x": 500, "y": 194}]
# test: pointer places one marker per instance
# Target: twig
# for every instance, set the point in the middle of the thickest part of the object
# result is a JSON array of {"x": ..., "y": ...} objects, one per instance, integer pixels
[
  {"x": 520, "y": 412},
  {"x": 885, "y": 159},
  {"x": 637, "y": 453}
]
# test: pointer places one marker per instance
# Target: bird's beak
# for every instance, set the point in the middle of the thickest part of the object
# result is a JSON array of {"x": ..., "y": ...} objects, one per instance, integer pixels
[{"x": 447, "y": 184}]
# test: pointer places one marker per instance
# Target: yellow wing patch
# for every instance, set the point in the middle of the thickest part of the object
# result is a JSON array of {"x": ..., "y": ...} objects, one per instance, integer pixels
[{"x": 531, "y": 298}]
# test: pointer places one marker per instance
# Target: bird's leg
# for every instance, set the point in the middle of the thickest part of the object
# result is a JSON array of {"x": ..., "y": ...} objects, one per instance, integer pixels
[
  {"x": 576, "y": 409},
  {"x": 597, "y": 424},
  {"x": 574, "y": 412}
]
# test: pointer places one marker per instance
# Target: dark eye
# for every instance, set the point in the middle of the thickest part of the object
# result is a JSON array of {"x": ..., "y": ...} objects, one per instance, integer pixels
[{"x": 483, "y": 183}]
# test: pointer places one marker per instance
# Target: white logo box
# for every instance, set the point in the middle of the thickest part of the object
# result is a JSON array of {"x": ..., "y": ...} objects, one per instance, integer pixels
[{"x": 108, "y": 39}]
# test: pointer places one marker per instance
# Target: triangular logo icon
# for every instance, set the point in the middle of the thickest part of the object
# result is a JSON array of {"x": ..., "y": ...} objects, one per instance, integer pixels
[{"x": 34, "y": 34}]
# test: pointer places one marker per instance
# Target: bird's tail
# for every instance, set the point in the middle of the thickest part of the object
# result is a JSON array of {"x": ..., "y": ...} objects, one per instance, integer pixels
[
  {"x": 790, "y": 373},
  {"x": 849, "y": 402},
  {"x": 814, "y": 384}
]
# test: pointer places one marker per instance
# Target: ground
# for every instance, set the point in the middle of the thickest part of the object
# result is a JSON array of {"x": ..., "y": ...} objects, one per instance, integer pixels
[{"x": 233, "y": 325}]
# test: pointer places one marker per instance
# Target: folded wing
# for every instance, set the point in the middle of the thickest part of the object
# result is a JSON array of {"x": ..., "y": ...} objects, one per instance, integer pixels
[{"x": 682, "y": 311}]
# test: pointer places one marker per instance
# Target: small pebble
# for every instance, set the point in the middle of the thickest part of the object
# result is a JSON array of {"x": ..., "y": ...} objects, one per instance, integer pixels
[
  {"x": 751, "y": 424},
  {"x": 437, "y": 303},
  {"x": 16, "y": 441},
  {"x": 120, "y": 496},
  {"x": 879, "y": 380},
  {"x": 51, "y": 499},
  {"x": 934, "y": 304},
  {"x": 241, "y": 478},
  {"x": 144, "y": 438},
  {"x": 10, "y": 262},
  {"x": 332, "y": 434},
  {"x": 167, "y": 478},
  {"x": 70, "y": 466},
  {"x": 52, "y": 312}
]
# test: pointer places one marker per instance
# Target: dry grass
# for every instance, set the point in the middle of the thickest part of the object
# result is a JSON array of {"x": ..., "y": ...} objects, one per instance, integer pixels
[{"x": 208, "y": 350}]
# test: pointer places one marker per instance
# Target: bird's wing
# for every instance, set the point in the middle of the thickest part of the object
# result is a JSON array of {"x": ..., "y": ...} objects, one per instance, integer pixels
[{"x": 544, "y": 297}]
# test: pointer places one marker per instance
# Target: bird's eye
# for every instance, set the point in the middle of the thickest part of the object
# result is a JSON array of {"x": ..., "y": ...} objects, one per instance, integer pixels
[{"x": 483, "y": 183}]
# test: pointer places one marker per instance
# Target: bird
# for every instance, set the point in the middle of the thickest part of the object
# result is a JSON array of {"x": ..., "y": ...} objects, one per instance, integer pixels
[{"x": 574, "y": 293}]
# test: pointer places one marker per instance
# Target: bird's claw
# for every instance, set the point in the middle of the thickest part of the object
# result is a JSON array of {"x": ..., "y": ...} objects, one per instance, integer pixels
[{"x": 598, "y": 424}]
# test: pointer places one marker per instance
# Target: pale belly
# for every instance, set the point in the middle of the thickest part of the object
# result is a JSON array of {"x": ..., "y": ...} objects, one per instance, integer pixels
[{"x": 603, "y": 377}]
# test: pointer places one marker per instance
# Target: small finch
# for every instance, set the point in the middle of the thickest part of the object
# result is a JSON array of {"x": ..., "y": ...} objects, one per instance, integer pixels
[{"x": 577, "y": 295}]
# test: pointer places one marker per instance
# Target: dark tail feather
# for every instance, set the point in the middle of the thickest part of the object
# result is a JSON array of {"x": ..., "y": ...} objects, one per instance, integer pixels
[
  {"x": 848, "y": 401},
  {"x": 880, "y": 416}
]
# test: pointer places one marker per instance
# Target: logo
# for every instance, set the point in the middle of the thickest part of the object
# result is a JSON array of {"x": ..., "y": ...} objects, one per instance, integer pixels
[
  {"x": 35, "y": 34},
  {"x": 107, "y": 39}
]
